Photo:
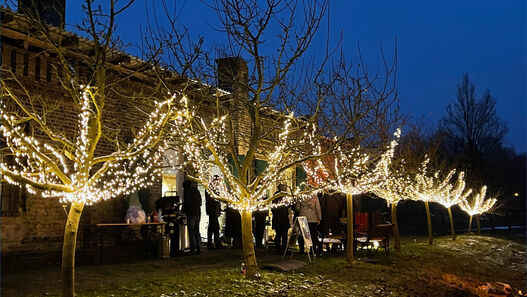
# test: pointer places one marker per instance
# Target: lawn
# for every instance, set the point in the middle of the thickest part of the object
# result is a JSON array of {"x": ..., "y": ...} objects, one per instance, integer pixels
[{"x": 448, "y": 268}]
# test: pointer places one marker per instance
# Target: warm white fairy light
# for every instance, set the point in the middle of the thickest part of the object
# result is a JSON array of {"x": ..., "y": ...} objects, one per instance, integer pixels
[
  {"x": 430, "y": 188},
  {"x": 478, "y": 205},
  {"x": 205, "y": 153},
  {"x": 354, "y": 172},
  {"x": 43, "y": 167},
  {"x": 453, "y": 194},
  {"x": 399, "y": 186}
]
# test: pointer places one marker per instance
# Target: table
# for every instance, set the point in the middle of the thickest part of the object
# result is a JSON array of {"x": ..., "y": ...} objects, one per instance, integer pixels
[{"x": 128, "y": 232}]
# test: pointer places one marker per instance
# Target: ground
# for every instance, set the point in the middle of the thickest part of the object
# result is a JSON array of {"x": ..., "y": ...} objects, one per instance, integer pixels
[{"x": 448, "y": 268}]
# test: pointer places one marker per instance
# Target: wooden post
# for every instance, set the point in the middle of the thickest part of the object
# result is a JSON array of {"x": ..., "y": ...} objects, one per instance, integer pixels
[
  {"x": 349, "y": 237},
  {"x": 396, "y": 236},
  {"x": 452, "y": 229},
  {"x": 429, "y": 223},
  {"x": 249, "y": 255},
  {"x": 68, "y": 249}
]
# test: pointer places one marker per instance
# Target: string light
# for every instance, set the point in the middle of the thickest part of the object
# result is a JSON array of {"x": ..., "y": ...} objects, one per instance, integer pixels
[
  {"x": 478, "y": 205},
  {"x": 451, "y": 194},
  {"x": 429, "y": 188},
  {"x": 43, "y": 168},
  {"x": 207, "y": 158},
  {"x": 354, "y": 172},
  {"x": 399, "y": 186}
]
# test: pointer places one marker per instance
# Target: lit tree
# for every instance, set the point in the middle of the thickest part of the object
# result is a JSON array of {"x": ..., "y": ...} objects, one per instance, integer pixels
[
  {"x": 428, "y": 188},
  {"x": 400, "y": 186},
  {"x": 254, "y": 121},
  {"x": 354, "y": 172},
  {"x": 97, "y": 158},
  {"x": 269, "y": 79},
  {"x": 209, "y": 162},
  {"x": 453, "y": 194},
  {"x": 69, "y": 168},
  {"x": 477, "y": 206}
]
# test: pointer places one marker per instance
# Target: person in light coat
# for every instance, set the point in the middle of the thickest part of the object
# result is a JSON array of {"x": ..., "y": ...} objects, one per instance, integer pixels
[{"x": 310, "y": 208}]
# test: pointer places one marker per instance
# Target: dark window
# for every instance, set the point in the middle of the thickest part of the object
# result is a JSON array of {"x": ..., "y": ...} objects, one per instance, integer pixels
[
  {"x": 26, "y": 64},
  {"x": 59, "y": 75},
  {"x": 37, "y": 69},
  {"x": 48, "y": 71},
  {"x": 13, "y": 198},
  {"x": 13, "y": 61}
]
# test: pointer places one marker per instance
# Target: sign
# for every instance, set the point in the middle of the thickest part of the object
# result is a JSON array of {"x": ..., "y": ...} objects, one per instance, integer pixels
[
  {"x": 300, "y": 227},
  {"x": 304, "y": 230}
]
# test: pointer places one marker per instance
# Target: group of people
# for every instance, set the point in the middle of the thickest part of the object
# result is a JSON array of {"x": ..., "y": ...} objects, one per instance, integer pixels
[
  {"x": 322, "y": 214},
  {"x": 192, "y": 208}
]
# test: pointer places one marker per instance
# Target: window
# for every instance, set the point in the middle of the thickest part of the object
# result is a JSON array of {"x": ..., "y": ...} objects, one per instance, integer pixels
[
  {"x": 12, "y": 196},
  {"x": 37, "y": 69},
  {"x": 59, "y": 75},
  {"x": 26, "y": 65},
  {"x": 48, "y": 72},
  {"x": 13, "y": 61}
]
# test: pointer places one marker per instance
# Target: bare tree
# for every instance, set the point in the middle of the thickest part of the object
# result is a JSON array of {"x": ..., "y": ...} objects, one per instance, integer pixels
[
  {"x": 105, "y": 154},
  {"x": 474, "y": 129},
  {"x": 236, "y": 128},
  {"x": 256, "y": 120}
]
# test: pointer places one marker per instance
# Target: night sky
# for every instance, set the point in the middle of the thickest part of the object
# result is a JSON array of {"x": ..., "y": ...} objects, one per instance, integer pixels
[{"x": 437, "y": 43}]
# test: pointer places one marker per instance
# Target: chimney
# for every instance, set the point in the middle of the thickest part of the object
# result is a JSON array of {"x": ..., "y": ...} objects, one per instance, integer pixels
[
  {"x": 232, "y": 74},
  {"x": 51, "y": 12}
]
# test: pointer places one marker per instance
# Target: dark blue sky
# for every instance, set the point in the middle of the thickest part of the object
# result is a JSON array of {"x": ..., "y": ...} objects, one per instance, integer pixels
[{"x": 438, "y": 42}]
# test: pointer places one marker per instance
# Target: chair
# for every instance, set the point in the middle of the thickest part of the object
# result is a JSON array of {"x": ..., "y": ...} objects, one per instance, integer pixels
[{"x": 371, "y": 233}]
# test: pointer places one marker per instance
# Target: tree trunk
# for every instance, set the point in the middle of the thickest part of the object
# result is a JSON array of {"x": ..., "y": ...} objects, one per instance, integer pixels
[
  {"x": 429, "y": 223},
  {"x": 68, "y": 249},
  {"x": 248, "y": 246},
  {"x": 477, "y": 223},
  {"x": 349, "y": 237},
  {"x": 452, "y": 229},
  {"x": 469, "y": 224},
  {"x": 396, "y": 236}
]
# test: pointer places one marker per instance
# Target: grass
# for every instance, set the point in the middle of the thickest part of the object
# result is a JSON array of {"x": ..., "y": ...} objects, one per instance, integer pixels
[{"x": 448, "y": 268}]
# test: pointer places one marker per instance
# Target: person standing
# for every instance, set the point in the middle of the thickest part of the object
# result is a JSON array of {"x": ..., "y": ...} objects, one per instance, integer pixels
[
  {"x": 260, "y": 218},
  {"x": 192, "y": 208},
  {"x": 280, "y": 222},
  {"x": 332, "y": 207},
  {"x": 213, "y": 208},
  {"x": 233, "y": 227},
  {"x": 310, "y": 208}
]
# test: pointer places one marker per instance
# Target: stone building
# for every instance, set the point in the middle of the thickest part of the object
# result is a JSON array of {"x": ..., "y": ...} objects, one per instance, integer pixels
[{"x": 31, "y": 224}]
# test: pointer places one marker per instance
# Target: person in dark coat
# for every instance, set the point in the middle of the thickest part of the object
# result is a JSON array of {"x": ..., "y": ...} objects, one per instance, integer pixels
[
  {"x": 260, "y": 217},
  {"x": 332, "y": 208},
  {"x": 192, "y": 208},
  {"x": 213, "y": 208},
  {"x": 280, "y": 222},
  {"x": 233, "y": 226}
]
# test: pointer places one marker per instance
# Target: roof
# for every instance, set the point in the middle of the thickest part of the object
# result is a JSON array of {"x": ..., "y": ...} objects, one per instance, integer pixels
[{"x": 18, "y": 27}]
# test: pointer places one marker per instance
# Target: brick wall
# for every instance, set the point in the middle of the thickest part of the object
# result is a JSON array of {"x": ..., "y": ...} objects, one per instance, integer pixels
[{"x": 39, "y": 226}]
